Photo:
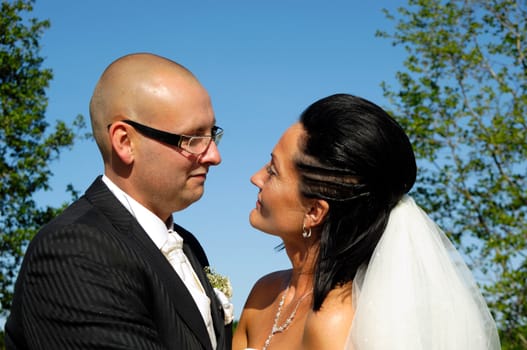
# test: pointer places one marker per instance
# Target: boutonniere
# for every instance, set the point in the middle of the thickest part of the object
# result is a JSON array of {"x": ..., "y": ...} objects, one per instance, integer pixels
[{"x": 223, "y": 289}]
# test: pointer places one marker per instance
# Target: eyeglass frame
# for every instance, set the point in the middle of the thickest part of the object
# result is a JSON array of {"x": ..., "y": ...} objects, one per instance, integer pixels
[{"x": 175, "y": 139}]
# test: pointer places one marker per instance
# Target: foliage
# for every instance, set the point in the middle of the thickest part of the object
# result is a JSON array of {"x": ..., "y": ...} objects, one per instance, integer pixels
[
  {"x": 462, "y": 99},
  {"x": 26, "y": 145}
]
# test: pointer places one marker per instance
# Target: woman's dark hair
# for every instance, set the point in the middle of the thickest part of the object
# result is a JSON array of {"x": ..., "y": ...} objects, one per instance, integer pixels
[{"x": 357, "y": 158}]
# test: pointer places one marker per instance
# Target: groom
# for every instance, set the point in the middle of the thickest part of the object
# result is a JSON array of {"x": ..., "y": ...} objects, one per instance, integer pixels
[{"x": 96, "y": 277}]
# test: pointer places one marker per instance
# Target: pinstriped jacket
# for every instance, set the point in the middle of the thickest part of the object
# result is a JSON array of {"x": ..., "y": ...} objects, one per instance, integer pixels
[{"x": 93, "y": 279}]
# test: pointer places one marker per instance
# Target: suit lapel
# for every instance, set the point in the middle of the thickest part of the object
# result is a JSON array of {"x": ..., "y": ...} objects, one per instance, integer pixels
[
  {"x": 129, "y": 228},
  {"x": 198, "y": 259},
  {"x": 216, "y": 308}
]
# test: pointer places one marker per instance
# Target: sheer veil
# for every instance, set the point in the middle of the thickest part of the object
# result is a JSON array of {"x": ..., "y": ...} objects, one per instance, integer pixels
[{"x": 417, "y": 293}]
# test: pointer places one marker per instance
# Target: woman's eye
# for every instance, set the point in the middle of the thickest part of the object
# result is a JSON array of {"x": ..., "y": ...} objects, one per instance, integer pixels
[{"x": 270, "y": 170}]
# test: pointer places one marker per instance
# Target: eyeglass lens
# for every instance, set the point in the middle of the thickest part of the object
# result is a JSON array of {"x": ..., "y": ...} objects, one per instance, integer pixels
[{"x": 199, "y": 144}]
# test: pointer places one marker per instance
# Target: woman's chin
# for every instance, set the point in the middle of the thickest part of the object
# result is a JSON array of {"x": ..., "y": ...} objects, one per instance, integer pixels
[{"x": 252, "y": 219}]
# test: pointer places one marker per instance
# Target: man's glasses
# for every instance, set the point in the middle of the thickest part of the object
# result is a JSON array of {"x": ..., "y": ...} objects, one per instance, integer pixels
[{"x": 192, "y": 144}]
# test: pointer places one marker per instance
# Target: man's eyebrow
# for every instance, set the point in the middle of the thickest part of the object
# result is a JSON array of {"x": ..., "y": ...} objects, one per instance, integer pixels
[{"x": 201, "y": 129}]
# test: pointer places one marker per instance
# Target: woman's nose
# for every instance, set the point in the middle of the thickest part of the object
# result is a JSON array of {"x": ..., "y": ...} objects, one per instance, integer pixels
[{"x": 257, "y": 178}]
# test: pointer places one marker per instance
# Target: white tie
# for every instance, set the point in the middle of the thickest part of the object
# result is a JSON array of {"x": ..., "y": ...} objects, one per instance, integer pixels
[{"x": 173, "y": 250}]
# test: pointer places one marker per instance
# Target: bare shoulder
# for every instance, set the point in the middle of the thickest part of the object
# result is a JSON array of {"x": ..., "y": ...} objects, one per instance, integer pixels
[
  {"x": 258, "y": 307},
  {"x": 267, "y": 288},
  {"x": 328, "y": 328}
]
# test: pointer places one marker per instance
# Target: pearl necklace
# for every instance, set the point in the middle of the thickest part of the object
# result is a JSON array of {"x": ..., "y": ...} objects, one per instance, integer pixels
[{"x": 283, "y": 327}]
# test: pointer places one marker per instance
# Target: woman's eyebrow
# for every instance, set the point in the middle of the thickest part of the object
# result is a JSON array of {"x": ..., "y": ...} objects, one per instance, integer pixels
[{"x": 274, "y": 162}]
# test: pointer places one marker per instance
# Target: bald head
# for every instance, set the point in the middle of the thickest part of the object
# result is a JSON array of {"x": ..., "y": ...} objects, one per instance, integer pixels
[
  {"x": 159, "y": 94},
  {"x": 129, "y": 89}
]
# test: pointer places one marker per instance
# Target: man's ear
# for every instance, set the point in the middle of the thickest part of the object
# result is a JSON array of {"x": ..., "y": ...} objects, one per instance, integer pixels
[
  {"x": 121, "y": 142},
  {"x": 318, "y": 210}
]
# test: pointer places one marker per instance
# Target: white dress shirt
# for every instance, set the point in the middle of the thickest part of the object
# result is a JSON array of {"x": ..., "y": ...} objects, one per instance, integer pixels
[{"x": 157, "y": 230}]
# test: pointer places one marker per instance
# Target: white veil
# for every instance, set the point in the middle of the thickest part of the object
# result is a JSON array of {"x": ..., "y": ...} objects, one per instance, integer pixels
[{"x": 417, "y": 293}]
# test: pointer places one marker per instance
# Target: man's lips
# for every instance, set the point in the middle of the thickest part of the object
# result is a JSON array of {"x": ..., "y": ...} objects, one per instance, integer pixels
[{"x": 199, "y": 175}]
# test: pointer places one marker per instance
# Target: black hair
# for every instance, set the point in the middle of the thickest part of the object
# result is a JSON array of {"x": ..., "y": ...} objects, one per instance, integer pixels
[{"x": 358, "y": 158}]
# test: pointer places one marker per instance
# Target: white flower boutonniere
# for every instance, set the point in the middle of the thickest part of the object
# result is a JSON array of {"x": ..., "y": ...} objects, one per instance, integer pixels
[{"x": 223, "y": 289}]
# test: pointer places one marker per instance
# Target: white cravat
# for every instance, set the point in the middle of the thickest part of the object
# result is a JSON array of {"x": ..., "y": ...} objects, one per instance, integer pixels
[{"x": 173, "y": 250}]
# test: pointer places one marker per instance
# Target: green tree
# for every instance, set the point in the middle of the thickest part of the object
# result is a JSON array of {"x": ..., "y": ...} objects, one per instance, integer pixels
[
  {"x": 27, "y": 146},
  {"x": 462, "y": 98}
]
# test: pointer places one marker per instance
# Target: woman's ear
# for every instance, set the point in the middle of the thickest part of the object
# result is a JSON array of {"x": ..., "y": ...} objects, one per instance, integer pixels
[
  {"x": 121, "y": 143},
  {"x": 317, "y": 213}
]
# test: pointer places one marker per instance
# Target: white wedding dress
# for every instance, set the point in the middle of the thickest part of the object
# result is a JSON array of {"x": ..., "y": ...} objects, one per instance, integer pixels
[{"x": 417, "y": 293}]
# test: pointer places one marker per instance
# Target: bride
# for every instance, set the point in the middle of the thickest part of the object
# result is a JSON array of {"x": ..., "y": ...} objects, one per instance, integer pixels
[{"x": 370, "y": 270}]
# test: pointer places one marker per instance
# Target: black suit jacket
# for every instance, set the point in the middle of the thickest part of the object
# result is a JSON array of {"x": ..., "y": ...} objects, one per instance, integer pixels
[{"x": 93, "y": 279}]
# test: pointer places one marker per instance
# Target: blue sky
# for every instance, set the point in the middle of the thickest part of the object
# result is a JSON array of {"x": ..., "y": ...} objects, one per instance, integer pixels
[{"x": 262, "y": 62}]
